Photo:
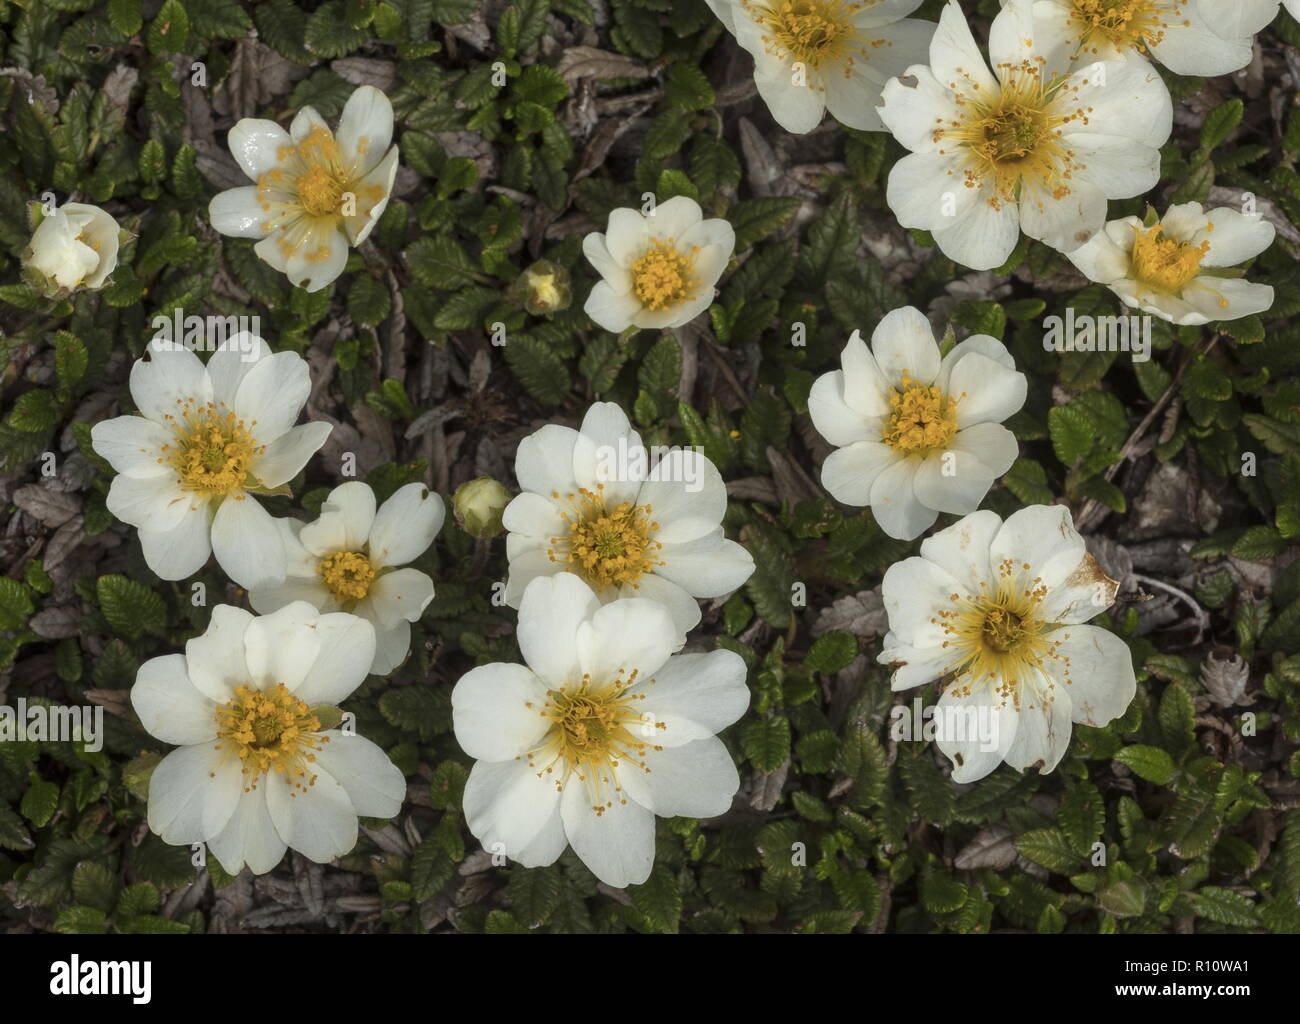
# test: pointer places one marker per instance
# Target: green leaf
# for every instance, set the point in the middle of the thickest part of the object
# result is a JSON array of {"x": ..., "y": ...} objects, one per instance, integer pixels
[
  {"x": 438, "y": 261},
  {"x": 831, "y": 652},
  {"x": 94, "y": 885},
  {"x": 1221, "y": 122},
  {"x": 755, "y": 219},
  {"x": 125, "y": 16},
  {"x": 537, "y": 367},
  {"x": 1072, "y": 433},
  {"x": 81, "y": 921},
  {"x": 1151, "y": 763},
  {"x": 534, "y": 894},
  {"x": 688, "y": 87},
  {"x": 130, "y": 607},
  {"x": 169, "y": 32},
  {"x": 1225, "y": 907},
  {"x": 39, "y": 802},
  {"x": 659, "y": 898},
  {"x": 766, "y": 742},
  {"x": 1050, "y": 848},
  {"x": 1081, "y": 817}
]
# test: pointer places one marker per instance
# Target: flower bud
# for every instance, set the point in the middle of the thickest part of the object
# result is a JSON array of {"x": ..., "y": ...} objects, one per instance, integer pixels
[
  {"x": 542, "y": 288},
  {"x": 73, "y": 247},
  {"x": 478, "y": 506}
]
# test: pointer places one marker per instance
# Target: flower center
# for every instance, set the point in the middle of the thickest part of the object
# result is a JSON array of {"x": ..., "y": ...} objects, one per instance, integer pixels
[
  {"x": 1015, "y": 138},
  {"x": 1124, "y": 23},
  {"x": 921, "y": 419},
  {"x": 213, "y": 449},
  {"x": 594, "y": 731},
  {"x": 347, "y": 574},
  {"x": 270, "y": 730},
  {"x": 319, "y": 192},
  {"x": 663, "y": 277},
  {"x": 607, "y": 547},
  {"x": 1165, "y": 264},
  {"x": 809, "y": 31}
]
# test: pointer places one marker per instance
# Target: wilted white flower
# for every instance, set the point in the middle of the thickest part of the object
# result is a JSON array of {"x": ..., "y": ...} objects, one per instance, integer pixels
[
  {"x": 998, "y": 610},
  {"x": 1023, "y": 148},
  {"x": 1189, "y": 37},
  {"x": 657, "y": 270},
  {"x": 1176, "y": 267},
  {"x": 916, "y": 434},
  {"x": 207, "y": 439},
  {"x": 255, "y": 769},
  {"x": 592, "y": 505},
  {"x": 599, "y": 732},
  {"x": 811, "y": 56},
  {"x": 350, "y": 560},
  {"x": 317, "y": 192},
  {"x": 73, "y": 247}
]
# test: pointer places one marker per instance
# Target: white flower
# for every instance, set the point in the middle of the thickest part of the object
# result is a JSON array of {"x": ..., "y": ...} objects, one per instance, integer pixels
[
  {"x": 811, "y": 56},
  {"x": 1023, "y": 148},
  {"x": 1189, "y": 37},
  {"x": 597, "y": 734},
  {"x": 255, "y": 771},
  {"x": 591, "y": 505},
  {"x": 657, "y": 270},
  {"x": 915, "y": 434},
  {"x": 999, "y": 608},
  {"x": 1175, "y": 268},
  {"x": 316, "y": 192},
  {"x": 349, "y": 560},
  {"x": 205, "y": 440},
  {"x": 73, "y": 247}
]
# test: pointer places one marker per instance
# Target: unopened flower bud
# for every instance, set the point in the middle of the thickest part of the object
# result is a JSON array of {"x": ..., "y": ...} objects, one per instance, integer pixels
[{"x": 478, "y": 506}]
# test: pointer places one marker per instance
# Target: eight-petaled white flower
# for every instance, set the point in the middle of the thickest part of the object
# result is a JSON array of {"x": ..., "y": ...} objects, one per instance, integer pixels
[
  {"x": 207, "y": 438},
  {"x": 255, "y": 769},
  {"x": 657, "y": 270},
  {"x": 591, "y": 505},
  {"x": 349, "y": 560},
  {"x": 1176, "y": 267},
  {"x": 811, "y": 56},
  {"x": 599, "y": 732},
  {"x": 317, "y": 192},
  {"x": 1189, "y": 37},
  {"x": 916, "y": 434},
  {"x": 1021, "y": 148},
  {"x": 73, "y": 247},
  {"x": 998, "y": 609}
]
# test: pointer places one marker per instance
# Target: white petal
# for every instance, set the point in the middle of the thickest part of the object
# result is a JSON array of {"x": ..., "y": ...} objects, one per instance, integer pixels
[
  {"x": 684, "y": 609},
  {"x": 513, "y": 812},
  {"x": 707, "y": 567},
  {"x": 1043, "y": 727},
  {"x": 238, "y": 213},
  {"x": 405, "y": 525},
  {"x": 631, "y": 635},
  {"x": 1234, "y": 237},
  {"x": 618, "y": 845},
  {"x": 272, "y": 394},
  {"x": 695, "y": 695},
  {"x": 215, "y": 658},
  {"x": 258, "y": 145},
  {"x": 962, "y": 550},
  {"x": 365, "y": 127},
  {"x": 697, "y": 780},
  {"x": 236, "y": 354},
  {"x": 685, "y": 495},
  {"x": 544, "y": 460},
  {"x": 288, "y": 453},
  {"x": 611, "y": 310},
  {"x": 910, "y": 110},
  {"x": 166, "y": 376},
  {"x": 156, "y": 502},
  {"x": 1098, "y": 674},
  {"x": 552, "y": 610},
  {"x": 497, "y": 711},
  {"x": 192, "y": 794},
  {"x": 247, "y": 543},
  {"x": 316, "y": 820},
  {"x": 373, "y": 783},
  {"x": 280, "y": 648},
  {"x": 249, "y": 837},
  {"x": 850, "y": 473},
  {"x": 132, "y": 445},
  {"x": 345, "y": 648},
  {"x": 912, "y": 591},
  {"x": 401, "y": 596},
  {"x": 391, "y": 647},
  {"x": 181, "y": 551},
  {"x": 974, "y": 732},
  {"x": 831, "y": 414},
  {"x": 169, "y": 706},
  {"x": 895, "y": 505}
]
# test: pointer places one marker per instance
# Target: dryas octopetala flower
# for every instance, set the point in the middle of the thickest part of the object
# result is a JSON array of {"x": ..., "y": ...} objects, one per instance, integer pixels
[
  {"x": 350, "y": 560},
  {"x": 1189, "y": 37},
  {"x": 75, "y": 246},
  {"x": 998, "y": 609},
  {"x": 599, "y": 732},
  {"x": 317, "y": 192},
  {"x": 256, "y": 769},
  {"x": 916, "y": 434},
  {"x": 1177, "y": 267},
  {"x": 656, "y": 270},
  {"x": 592, "y": 505},
  {"x": 1021, "y": 148},
  {"x": 207, "y": 438},
  {"x": 811, "y": 56}
]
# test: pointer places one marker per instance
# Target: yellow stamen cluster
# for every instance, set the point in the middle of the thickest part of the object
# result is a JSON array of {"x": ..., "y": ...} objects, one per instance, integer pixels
[
  {"x": 607, "y": 547},
  {"x": 1001, "y": 639},
  {"x": 1014, "y": 142},
  {"x": 311, "y": 190},
  {"x": 663, "y": 276},
  {"x": 595, "y": 730},
  {"x": 213, "y": 450},
  {"x": 271, "y": 731},
  {"x": 1124, "y": 24},
  {"x": 347, "y": 574},
  {"x": 1165, "y": 264},
  {"x": 922, "y": 418},
  {"x": 812, "y": 32}
]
